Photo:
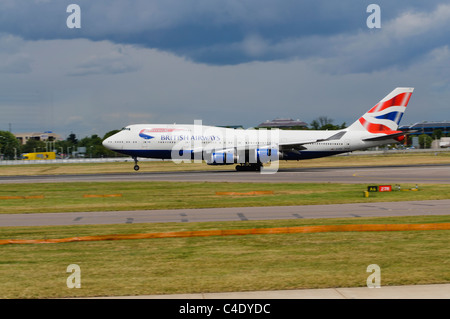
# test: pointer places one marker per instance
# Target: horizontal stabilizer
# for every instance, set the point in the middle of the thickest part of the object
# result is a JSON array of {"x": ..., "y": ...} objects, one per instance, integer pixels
[{"x": 393, "y": 135}]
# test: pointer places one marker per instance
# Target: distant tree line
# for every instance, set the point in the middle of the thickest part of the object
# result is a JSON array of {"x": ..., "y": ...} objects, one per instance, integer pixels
[
  {"x": 320, "y": 123},
  {"x": 10, "y": 147},
  {"x": 325, "y": 123}
]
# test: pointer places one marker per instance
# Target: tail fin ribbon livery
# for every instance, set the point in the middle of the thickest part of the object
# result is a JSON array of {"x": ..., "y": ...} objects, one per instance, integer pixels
[{"x": 385, "y": 116}]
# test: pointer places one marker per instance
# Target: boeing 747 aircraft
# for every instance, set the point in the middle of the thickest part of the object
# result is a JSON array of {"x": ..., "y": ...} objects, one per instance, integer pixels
[{"x": 251, "y": 148}]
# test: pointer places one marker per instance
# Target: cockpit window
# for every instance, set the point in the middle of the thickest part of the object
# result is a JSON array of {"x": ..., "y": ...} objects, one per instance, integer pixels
[{"x": 126, "y": 129}]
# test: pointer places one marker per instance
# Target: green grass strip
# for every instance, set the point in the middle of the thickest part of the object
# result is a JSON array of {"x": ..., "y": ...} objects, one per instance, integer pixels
[{"x": 69, "y": 197}]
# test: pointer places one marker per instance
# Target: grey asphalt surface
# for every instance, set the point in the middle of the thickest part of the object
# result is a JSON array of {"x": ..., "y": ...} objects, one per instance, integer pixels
[
  {"x": 420, "y": 174},
  {"x": 407, "y": 208}
]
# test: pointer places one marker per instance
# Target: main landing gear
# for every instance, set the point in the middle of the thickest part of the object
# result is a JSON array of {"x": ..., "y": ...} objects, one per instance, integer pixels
[
  {"x": 136, "y": 166},
  {"x": 249, "y": 167}
]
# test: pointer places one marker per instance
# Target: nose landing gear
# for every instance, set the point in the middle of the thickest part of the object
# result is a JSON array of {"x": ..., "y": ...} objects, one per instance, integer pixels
[{"x": 136, "y": 166}]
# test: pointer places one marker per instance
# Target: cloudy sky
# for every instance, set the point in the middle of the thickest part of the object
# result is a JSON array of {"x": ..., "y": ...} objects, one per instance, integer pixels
[{"x": 225, "y": 62}]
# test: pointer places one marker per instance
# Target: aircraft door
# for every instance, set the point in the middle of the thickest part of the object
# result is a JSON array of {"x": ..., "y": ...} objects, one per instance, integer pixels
[
  {"x": 145, "y": 144},
  {"x": 346, "y": 145}
]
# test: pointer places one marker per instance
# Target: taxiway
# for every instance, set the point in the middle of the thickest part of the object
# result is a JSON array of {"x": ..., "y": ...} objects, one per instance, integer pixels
[
  {"x": 415, "y": 174},
  {"x": 384, "y": 209}
]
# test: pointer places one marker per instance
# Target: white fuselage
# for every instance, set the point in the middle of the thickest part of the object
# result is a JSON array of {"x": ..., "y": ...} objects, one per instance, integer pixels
[
  {"x": 219, "y": 146},
  {"x": 165, "y": 141}
]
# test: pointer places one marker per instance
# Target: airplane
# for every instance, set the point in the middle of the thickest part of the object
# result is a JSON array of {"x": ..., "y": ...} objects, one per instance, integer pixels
[{"x": 251, "y": 148}]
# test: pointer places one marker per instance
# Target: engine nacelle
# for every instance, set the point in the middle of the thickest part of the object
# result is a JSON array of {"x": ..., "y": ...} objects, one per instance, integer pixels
[
  {"x": 221, "y": 158},
  {"x": 258, "y": 155},
  {"x": 252, "y": 156},
  {"x": 266, "y": 155}
]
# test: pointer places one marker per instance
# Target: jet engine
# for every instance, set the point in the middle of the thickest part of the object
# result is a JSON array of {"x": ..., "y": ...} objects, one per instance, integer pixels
[
  {"x": 251, "y": 156},
  {"x": 221, "y": 158}
]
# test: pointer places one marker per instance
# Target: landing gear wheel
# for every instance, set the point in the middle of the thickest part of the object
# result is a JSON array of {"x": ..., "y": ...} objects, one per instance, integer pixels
[
  {"x": 249, "y": 167},
  {"x": 136, "y": 166}
]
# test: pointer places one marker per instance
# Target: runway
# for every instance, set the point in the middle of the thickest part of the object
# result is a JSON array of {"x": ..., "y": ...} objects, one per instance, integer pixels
[
  {"x": 413, "y": 174},
  {"x": 409, "y": 208}
]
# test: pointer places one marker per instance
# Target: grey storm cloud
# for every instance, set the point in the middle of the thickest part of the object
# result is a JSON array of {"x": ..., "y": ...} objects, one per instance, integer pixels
[
  {"x": 221, "y": 32},
  {"x": 113, "y": 62}
]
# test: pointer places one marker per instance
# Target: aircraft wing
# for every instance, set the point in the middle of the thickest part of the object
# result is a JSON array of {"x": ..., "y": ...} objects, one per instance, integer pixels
[
  {"x": 291, "y": 145},
  {"x": 296, "y": 146},
  {"x": 299, "y": 145}
]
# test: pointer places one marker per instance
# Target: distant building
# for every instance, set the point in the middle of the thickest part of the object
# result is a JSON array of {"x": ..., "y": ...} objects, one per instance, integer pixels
[
  {"x": 236, "y": 127},
  {"x": 283, "y": 124},
  {"x": 39, "y": 136},
  {"x": 428, "y": 127}
]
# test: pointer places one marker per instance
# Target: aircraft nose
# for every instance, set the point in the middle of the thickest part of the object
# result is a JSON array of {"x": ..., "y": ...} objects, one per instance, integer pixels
[{"x": 107, "y": 143}]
